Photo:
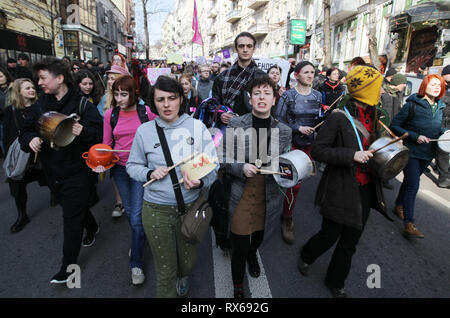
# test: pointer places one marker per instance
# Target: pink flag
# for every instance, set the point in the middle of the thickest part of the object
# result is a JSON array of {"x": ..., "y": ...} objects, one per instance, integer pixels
[{"x": 197, "y": 36}]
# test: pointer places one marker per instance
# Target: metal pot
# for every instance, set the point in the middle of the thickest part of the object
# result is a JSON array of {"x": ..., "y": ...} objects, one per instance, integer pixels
[
  {"x": 57, "y": 128},
  {"x": 389, "y": 161},
  {"x": 297, "y": 165},
  {"x": 96, "y": 158},
  {"x": 443, "y": 143}
]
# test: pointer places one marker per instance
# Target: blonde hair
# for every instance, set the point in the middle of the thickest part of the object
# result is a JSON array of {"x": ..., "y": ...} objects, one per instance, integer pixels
[
  {"x": 110, "y": 94},
  {"x": 16, "y": 98}
]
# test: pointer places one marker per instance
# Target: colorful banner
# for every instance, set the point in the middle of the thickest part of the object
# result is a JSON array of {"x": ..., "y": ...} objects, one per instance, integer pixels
[
  {"x": 154, "y": 73},
  {"x": 197, "y": 36}
]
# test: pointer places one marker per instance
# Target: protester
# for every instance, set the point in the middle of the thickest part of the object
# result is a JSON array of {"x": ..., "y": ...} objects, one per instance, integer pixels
[
  {"x": 355, "y": 62},
  {"x": 23, "y": 70},
  {"x": 229, "y": 86},
  {"x": 76, "y": 66},
  {"x": 105, "y": 104},
  {"x": 389, "y": 73},
  {"x": 5, "y": 100},
  {"x": 23, "y": 94},
  {"x": 255, "y": 201},
  {"x": 347, "y": 189},
  {"x": 442, "y": 157},
  {"x": 89, "y": 86},
  {"x": 320, "y": 78},
  {"x": 66, "y": 166},
  {"x": 174, "y": 257},
  {"x": 223, "y": 67},
  {"x": 190, "y": 94},
  {"x": 204, "y": 84},
  {"x": 424, "y": 124},
  {"x": 119, "y": 60},
  {"x": 119, "y": 135},
  {"x": 274, "y": 73},
  {"x": 332, "y": 88},
  {"x": 392, "y": 95},
  {"x": 215, "y": 66},
  {"x": 299, "y": 108}
]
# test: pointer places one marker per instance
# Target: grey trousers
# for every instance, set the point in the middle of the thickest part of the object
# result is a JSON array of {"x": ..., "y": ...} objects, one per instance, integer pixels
[{"x": 172, "y": 255}]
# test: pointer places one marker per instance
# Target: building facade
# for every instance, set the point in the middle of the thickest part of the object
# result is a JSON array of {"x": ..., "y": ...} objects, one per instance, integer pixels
[
  {"x": 30, "y": 26},
  {"x": 398, "y": 25}
]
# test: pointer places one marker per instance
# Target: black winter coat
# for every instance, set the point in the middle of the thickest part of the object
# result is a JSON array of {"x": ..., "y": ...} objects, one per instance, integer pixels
[
  {"x": 64, "y": 162},
  {"x": 330, "y": 94},
  {"x": 338, "y": 192}
]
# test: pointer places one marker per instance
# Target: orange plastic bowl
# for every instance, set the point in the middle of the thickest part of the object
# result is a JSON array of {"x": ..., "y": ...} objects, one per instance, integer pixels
[{"x": 95, "y": 158}]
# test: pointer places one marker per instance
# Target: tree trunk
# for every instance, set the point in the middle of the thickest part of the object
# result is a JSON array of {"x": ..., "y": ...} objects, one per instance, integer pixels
[
  {"x": 373, "y": 48},
  {"x": 327, "y": 33},
  {"x": 147, "y": 45}
]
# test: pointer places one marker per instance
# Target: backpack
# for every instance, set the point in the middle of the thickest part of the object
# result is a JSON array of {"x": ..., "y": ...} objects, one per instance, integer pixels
[
  {"x": 141, "y": 110},
  {"x": 218, "y": 198}
]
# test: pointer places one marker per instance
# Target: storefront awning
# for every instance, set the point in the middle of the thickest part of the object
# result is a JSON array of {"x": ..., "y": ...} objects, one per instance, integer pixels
[{"x": 420, "y": 13}]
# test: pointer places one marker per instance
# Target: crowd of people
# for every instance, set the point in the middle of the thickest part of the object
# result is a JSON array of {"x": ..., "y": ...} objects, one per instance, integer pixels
[{"x": 330, "y": 115}]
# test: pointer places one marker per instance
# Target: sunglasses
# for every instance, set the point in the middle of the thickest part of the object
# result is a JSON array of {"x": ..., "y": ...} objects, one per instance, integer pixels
[{"x": 76, "y": 68}]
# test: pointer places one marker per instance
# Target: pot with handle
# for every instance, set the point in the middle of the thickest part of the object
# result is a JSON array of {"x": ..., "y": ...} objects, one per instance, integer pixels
[
  {"x": 56, "y": 128},
  {"x": 95, "y": 158},
  {"x": 295, "y": 166},
  {"x": 390, "y": 160}
]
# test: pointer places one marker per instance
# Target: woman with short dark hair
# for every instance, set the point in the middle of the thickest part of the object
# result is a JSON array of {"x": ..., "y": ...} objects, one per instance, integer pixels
[
  {"x": 173, "y": 256},
  {"x": 332, "y": 88},
  {"x": 89, "y": 86}
]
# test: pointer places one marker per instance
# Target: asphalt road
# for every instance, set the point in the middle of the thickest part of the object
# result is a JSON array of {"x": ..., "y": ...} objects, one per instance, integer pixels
[{"x": 408, "y": 268}]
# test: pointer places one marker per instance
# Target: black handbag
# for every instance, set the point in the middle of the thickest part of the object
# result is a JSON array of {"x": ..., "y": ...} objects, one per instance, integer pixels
[{"x": 195, "y": 221}]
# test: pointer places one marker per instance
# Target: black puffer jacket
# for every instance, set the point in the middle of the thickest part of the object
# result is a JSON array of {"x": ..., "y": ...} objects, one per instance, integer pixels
[
  {"x": 330, "y": 91},
  {"x": 67, "y": 161},
  {"x": 338, "y": 192}
]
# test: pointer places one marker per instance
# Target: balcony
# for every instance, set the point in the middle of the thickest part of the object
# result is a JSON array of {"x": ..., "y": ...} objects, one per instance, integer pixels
[
  {"x": 212, "y": 14},
  {"x": 259, "y": 30},
  {"x": 256, "y": 4},
  {"x": 234, "y": 16},
  {"x": 229, "y": 41},
  {"x": 341, "y": 10},
  {"x": 212, "y": 30}
]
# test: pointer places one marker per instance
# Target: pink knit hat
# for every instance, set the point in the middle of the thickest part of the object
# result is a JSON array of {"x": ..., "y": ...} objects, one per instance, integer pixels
[{"x": 118, "y": 70}]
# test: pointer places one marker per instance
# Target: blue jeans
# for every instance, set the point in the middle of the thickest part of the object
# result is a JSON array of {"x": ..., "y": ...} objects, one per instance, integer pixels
[
  {"x": 132, "y": 194},
  {"x": 411, "y": 182}
]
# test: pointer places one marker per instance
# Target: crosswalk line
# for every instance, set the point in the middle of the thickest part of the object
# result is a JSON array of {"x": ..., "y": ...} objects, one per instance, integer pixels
[{"x": 223, "y": 282}]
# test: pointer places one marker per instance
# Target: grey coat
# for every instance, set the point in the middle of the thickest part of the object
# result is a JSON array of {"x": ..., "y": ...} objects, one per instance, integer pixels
[{"x": 274, "y": 194}]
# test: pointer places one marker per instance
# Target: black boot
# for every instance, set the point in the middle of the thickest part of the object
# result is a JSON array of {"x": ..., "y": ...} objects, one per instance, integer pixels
[
  {"x": 22, "y": 220},
  {"x": 253, "y": 265},
  {"x": 238, "y": 291}
]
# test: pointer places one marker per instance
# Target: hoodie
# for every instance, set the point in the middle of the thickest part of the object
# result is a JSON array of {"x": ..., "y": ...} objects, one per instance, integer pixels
[
  {"x": 184, "y": 136},
  {"x": 423, "y": 123}
]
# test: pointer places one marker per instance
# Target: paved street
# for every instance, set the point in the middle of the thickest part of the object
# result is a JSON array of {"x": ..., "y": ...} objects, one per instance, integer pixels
[{"x": 409, "y": 268}]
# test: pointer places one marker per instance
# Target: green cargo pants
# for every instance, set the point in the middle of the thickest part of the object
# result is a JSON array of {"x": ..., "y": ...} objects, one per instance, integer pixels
[{"x": 173, "y": 256}]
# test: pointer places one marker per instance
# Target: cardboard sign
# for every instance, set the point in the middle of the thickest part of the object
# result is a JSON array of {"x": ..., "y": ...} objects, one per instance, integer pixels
[
  {"x": 264, "y": 64},
  {"x": 226, "y": 53},
  {"x": 217, "y": 59},
  {"x": 199, "y": 166},
  {"x": 154, "y": 73}
]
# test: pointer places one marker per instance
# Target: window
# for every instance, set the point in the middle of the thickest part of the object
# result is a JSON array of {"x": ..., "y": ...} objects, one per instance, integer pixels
[
  {"x": 338, "y": 35},
  {"x": 351, "y": 39}
]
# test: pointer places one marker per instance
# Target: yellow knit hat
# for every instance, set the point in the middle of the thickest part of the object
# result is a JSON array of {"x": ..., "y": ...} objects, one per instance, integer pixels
[{"x": 364, "y": 84}]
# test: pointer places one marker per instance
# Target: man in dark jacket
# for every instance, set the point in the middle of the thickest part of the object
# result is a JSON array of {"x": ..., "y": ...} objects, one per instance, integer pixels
[
  {"x": 442, "y": 158},
  {"x": 392, "y": 95},
  {"x": 64, "y": 164},
  {"x": 229, "y": 86}
]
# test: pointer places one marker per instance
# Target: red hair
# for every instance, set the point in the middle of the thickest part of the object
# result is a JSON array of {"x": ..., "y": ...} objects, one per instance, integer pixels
[
  {"x": 126, "y": 83},
  {"x": 124, "y": 61},
  {"x": 426, "y": 81}
]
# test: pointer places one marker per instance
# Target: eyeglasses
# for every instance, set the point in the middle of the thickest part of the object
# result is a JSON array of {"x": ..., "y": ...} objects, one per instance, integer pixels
[{"x": 75, "y": 68}]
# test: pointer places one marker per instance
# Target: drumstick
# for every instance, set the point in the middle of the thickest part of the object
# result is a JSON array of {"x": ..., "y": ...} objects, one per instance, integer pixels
[
  {"x": 35, "y": 156},
  {"x": 390, "y": 143},
  {"x": 271, "y": 172},
  {"x": 439, "y": 139},
  {"x": 387, "y": 129},
  {"x": 174, "y": 166},
  {"x": 320, "y": 124},
  {"x": 111, "y": 150}
]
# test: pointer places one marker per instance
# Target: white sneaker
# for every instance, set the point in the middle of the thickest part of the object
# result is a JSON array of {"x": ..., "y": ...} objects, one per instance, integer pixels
[
  {"x": 137, "y": 276},
  {"x": 118, "y": 211}
]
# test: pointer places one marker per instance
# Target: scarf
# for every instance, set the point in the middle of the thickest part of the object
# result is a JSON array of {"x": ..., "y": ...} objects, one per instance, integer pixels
[{"x": 233, "y": 85}]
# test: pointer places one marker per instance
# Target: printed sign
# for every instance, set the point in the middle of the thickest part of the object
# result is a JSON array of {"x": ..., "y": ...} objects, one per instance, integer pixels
[
  {"x": 226, "y": 53},
  {"x": 154, "y": 73},
  {"x": 200, "y": 60},
  {"x": 217, "y": 59},
  {"x": 298, "y": 32},
  {"x": 264, "y": 65}
]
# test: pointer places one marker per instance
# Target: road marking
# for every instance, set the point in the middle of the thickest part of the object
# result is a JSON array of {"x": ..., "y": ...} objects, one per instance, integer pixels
[
  {"x": 436, "y": 197},
  {"x": 223, "y": 282}
]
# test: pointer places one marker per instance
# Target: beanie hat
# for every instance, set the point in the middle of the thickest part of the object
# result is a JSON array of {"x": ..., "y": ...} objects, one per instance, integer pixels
[
  {"x": 118, "y": 70},
  {"x": 391, "y": 72},
  {"x": 398, "y": 79},
  {"x": 364, "y": 84},
  {"x": 11, "y": 60},
  {"x": 446, "y": 70}
]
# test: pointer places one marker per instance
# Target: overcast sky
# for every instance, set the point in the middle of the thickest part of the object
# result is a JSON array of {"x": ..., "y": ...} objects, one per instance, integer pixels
[{"x": 155, "y": 21}]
